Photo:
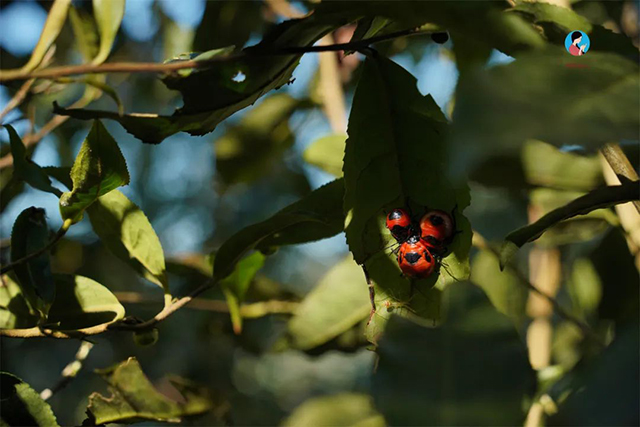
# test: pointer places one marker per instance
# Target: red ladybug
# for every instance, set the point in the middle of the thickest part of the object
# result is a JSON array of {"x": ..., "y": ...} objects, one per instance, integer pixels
[
  {"x": 437, "y": 228},
  {"x": 399, "y": 224},
  {"x": 414, "y": 258}
]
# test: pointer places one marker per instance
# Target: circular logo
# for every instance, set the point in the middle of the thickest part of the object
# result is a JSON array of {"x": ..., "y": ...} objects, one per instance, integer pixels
[{"x": 577, "y": 43}]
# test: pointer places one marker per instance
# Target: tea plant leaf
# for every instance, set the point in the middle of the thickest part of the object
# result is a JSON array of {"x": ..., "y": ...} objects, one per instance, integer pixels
[
  {"x": 125, "y": 230},
  {"x": 98, "y": 169},
  {"x": 344, "y": 409},
  {"x": 108, "y": 15},
  {"x": 20, "y": 405},
  {"x": 14, "y": 309},
  {"x": 327, "y": 154}
]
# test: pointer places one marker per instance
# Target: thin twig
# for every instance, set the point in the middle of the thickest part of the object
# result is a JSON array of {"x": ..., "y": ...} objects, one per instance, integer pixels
[
  {"x": 70, "y": 371},
  {"x": 17, "y": 99},
  {"x": 620, "y": 165},
  {"x": 153, "y": 67},
  {"x": 61, "y": 232}
]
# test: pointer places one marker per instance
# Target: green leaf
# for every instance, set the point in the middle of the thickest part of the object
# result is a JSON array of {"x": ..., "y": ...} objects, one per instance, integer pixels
[
  {"x": 327, "y": 154},
  {"x": 134, "y": 399},
  {"x": 338, "y": 302},
  {"x": 213, "y": 93},
  {"x": 98, "y": 169},
  {"x": 30, "y": 233},
  {"x": 62, "y": 174},
  {"x": 246, "y": 150},
  {"x": 547, "y": 166},
  {"x": 14, "y": 310},
  {"x": 473, "y": 370},
  {"x": 20, "y": 405},
  {"x": 550, "y": 96},
  {"x": 52, "y": 27},
  {"x": 395, "y": 135},
  {"x": 344, "y": 409},
  {"x": 125, "y": 230},
  {"x": 596, "y": 199},
  {"x": 236, "y": 285},
  {"x": 317, "y": 216},
  {"x": 81, "y": 303},
  {"x": 108, "y": 15},
  {"x": 84, "y": 32},
  {"x": 26, "y": 170}
]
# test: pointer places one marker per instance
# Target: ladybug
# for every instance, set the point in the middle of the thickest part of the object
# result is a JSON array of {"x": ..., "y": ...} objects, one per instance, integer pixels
[
  {"x": 437, "y": 228},
  {"x": 399, "y": 224},
  {"x": 415, "y": 259}
]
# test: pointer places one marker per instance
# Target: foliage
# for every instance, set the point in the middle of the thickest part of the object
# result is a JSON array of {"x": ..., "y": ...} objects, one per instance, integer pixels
[{"x": 282, "y": 213}]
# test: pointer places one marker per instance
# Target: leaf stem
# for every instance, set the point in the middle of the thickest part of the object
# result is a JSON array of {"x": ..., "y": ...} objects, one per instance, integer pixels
[
  {"x": 620, "y": 165},
  {"x": 153, "y": 67}
]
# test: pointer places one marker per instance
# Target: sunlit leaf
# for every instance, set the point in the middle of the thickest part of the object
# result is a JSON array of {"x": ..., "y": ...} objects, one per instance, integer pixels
[
  {"x": 14, "y": 310},
  {"x": 338, "y": 302},
  {"x": 98, "y": 169},
  {"x": 317, "y": 216},
  {"x": 108, "y": 15},
  {"x": 236, "y": 285},
  {"x": 81, "y": 303},
  {"x": 26, "y": 170},
  {"x": 31, "y": 233},
  {"x": 125, "y": 230},
  {"x": 473, "y": 370},
  {"x": 327, "y": 154},
  {"x": 134, "y": 399},
  {"x": 84, "y": 32},
  {"x": 20, "y": 405},
  {"x": 396, "y": 156},
  {"x": 550, "y": 96},
  {"x": 345, "y": 409}
]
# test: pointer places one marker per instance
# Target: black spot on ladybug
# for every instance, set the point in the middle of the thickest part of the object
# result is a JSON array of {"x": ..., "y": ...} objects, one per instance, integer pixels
[
  {"x": 440, "y": 38},
  {"x": 436, "y": 220},
  {"x": 427, "y": 256},
  {"x": 432, "y": 240},
  {"x": 412, "y": 257}
]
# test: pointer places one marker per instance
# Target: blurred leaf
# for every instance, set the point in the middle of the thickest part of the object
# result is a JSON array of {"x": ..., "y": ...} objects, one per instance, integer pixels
[
  {"x": 338, "y": 302},
  {"x": 108, "y": 15},
  {"x": 213, "y": 93},
  {"x": 584, "y": 287},
  {"x": 134, "y": 399},
  {"x": 125, "y": 230},
  {"x": 20, "y": 405},
  {"x": 14, "y": 310},
  {"x": 503, "y": 288},
  {"x": 98, "y": 169},
  {"x": 473, "y": 370},
  {"x": 52, "y": 27},
  {"x": 317, "y": 216},
  {"x": 84, "y": 32},
  {"x": 26, "y": 170},
  {"x": 81, "y": 303},
  {"x": 384, "y": 168},
  {"x": 327, "y": 153},
  {"x": 547, "y": 166},
  {"x": 246, "y": 150},
  {"x": 367, "y": 28},
  {"x": 345, "y": 409},
  {"x": 228, "y": 23},
  {"x": 593, "y": 401},
  {"x": 30, "y": 233},
  {"x": 600, "y": 198},
  {"x": 549, "y": 96},
  {"x": 558, "y": 21},
  {"x": 236, "y": 285}
]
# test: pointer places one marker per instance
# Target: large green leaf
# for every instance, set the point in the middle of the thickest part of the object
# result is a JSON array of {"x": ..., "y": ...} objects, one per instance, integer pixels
[
  {"x": 246, "y": 150},
  {"x": 134, "y": 399},
  {"x": 14, "y": 310},
  {"x": 317, "y": 216},
  {"x": 98, "y": 169},
  {"x": 327, "y": 154},
  {"x": 125, "y": 230},
  {"x": 550, "y": 96},
  {"x": 81, "y": 303},
  {"x": 345, "y": 409},
  {"x": 26, "y": 170},
  {"x": 473, "y": 370},
  {"x": 236, "y": 285},
  {"x": 20, "y": 405},
  {"x": 108, "y": 15},
  {"x": 335, "y": 305},
  {"x": 30, "y": 233},
  {"x": 396, "y": 156},
  {"x": 213, "y": 93}
]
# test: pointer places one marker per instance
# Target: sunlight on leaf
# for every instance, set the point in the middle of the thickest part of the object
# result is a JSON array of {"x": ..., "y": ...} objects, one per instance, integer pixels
[
  {"x": 108, "y": 15},
  {"x": 20, "y": 405}
]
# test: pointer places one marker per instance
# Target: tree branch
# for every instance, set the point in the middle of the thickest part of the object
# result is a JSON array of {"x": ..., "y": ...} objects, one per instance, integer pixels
[
  {"x": 620, "y": 165},
  {"x": 69, "y": 372},
  {"x": 152, "y": 67}
]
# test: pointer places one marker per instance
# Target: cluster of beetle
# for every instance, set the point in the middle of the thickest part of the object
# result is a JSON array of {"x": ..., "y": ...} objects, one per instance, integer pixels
[{"x": 422, "y": 243}]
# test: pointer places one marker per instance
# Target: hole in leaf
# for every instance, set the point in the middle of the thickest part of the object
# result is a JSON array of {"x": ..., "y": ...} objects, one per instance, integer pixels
[{"x": 239, "y": 77}]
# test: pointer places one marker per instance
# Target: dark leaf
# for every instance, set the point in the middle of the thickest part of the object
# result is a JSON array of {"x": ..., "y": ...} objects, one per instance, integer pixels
[{"x": 21, "y": 406}]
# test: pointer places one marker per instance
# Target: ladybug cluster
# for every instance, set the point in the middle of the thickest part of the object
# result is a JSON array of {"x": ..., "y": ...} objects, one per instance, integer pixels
[{"x": 423, "y": 243}]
